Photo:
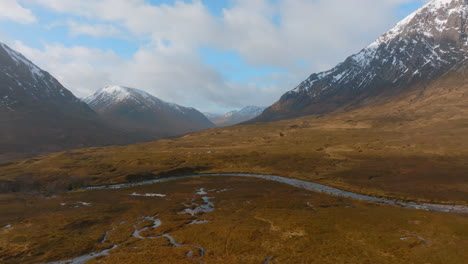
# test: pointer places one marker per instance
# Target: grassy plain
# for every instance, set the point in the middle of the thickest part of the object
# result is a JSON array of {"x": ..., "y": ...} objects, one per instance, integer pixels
[
  {"x": 396, "y": 158},
  {"x": 253, "y": 220},
  {"x": 412, "y": 147}
]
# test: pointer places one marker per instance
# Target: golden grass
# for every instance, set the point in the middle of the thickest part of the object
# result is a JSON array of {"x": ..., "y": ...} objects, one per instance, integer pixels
[
  {"x": 414, "y": 147},
  {"x": 368, "y": 156},
  {"x": 253, "y": 220}
]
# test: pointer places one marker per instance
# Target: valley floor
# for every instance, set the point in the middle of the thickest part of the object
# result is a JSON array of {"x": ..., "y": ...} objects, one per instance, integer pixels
[
  {"x": 222, "y": 220},
  {"x": 414, "y": 149},
  {"x": 398, "y": 159}
]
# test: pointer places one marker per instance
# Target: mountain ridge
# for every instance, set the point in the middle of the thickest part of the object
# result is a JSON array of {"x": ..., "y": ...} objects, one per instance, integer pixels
[
  {"x": 143, "y": 115},
  {"x": 237, "y": 116},
  {"x": 418, "y": 50},
  {"x": 39, "y": 115}
]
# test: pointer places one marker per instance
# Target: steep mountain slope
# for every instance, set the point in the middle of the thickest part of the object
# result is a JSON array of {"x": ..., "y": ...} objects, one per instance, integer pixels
[
  {"x": 144, "y": 116},
  {"x": 236, "y": 117},
  {"x": 418, "y": 50},
  {"x": 38, "y": 114}
]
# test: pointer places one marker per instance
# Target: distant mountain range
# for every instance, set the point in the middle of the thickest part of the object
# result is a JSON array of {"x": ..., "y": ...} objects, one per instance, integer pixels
[
  {"x": 420, "y": 49},
  {"x": 144, "y": 116},
  {"x": 235, "y": 117},
  {"x": 420, "y": 62},
  {"x": 38, "y": 115}
]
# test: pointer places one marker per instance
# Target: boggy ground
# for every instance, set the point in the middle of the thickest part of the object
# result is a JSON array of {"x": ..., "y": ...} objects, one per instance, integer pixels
[{"x": 253, "y": 220}]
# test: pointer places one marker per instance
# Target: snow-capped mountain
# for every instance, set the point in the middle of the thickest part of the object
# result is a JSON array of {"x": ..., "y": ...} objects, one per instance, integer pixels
[
  {"x": 212, "y": 116},
  {"x": 22, "y": 83},
  {"x": 418, "y": 50},
  {"x": 236, "y": 117},
  {"x": 39, "y": 115},
  {"x": 144, "y": 115}
]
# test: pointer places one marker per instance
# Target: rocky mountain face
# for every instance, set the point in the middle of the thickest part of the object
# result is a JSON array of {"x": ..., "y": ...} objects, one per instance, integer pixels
[
  {"x": 417, "y": 51},
  {"x": 144, "y": 116},
  {"x": 236, "y": 117},
  {"x": 39, "y": 115}
]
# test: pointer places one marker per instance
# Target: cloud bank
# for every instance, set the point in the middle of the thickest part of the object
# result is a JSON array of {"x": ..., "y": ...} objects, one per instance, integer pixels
[{"x": 298, "y": 36}]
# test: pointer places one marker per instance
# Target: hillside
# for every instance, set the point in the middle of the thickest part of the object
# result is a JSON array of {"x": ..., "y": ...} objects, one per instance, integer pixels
[
  {"x": 39, "y": 115},
  {"x": 143, "y": 116},
  {"x": 417, "y": 51}
]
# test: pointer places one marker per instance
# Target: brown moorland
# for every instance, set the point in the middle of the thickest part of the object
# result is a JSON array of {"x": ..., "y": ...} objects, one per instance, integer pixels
[
  {"x": 413, "y": 147},
  {"x": 253, "y": 220}
]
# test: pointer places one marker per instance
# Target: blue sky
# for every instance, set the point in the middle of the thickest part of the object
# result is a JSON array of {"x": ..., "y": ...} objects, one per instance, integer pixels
[{"x": 216, "y": 55}]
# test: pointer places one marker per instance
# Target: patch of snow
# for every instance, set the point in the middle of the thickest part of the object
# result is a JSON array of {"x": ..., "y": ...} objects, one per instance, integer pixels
[
  {"x": 148, "y": 194},
  {"x": 18, "y": 58},
  {"x": 339, "y": 76},
  {"x": 223, "y": 190},
  {"x": 114, "y": 94},
  {"x": 77, "y": 204}
]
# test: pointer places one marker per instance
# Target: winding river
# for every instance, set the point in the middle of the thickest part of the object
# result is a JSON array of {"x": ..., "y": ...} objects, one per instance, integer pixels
[{"x": 303, "y": 185}]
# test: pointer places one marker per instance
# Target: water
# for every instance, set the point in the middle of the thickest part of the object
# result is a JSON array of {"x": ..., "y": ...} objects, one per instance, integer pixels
[
  {"x": 84, "y": 258},
  {"x": 303, "y": 185}
]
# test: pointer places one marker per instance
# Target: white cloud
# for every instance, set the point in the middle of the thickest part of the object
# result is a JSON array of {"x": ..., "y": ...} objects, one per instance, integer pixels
[
  {"x": 81, "y": 69},
  {"x": 95, "y": 30},
  {"x": 178, "y": 78},
  {"x": 319, "y": 33},
  {"x": 12, "y": 10}
]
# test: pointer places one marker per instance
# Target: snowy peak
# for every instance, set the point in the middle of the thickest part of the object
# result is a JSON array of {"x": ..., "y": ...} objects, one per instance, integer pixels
[
  {"x": 118, "y": 92},
  {"x": 437, "y": 15},
  {"x": 440, "y": 26},
  {"x": 144, "y": 115},
  {"x": 431, "y": 39},
  {"x": 434, "y": 36},
  {"x": 122, "y": 93},
  {"x": 113, "y": 95},
  {"x": 438, "y": 19},
  {"x": 237, "y": 116},
  {"x": 24, "y": 83},
  {"x": 250, "y": 111},
  {"x": 419, "y": 49},
  {"x": 20, "y": 60}
]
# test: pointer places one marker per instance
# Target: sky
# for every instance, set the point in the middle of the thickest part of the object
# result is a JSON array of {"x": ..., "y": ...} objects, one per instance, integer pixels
[{"x": 215, "y": 55}]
